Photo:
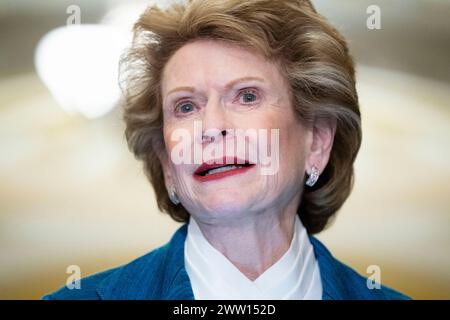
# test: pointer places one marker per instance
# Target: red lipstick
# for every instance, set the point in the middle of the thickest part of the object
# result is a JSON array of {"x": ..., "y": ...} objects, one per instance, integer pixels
[{"x": 213, "y": 170}]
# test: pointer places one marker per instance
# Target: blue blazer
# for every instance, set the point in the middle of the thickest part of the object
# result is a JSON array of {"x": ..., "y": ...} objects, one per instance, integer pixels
[{"x": 161, "y": 275}]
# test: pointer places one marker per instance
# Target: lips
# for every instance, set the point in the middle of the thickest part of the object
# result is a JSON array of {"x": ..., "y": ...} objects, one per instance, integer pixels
[{"x": 212, "y": 170}]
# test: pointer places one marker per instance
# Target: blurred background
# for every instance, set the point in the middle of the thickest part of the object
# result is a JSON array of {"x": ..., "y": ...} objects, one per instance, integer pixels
[{"x": 72, "y": 194}]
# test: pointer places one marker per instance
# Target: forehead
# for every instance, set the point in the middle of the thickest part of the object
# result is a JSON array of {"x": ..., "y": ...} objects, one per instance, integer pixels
[{"x": 215, "y": 63}]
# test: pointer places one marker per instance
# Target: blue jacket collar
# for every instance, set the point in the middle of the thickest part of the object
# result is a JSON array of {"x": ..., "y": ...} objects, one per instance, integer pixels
[{"x": 161, "y": 274}]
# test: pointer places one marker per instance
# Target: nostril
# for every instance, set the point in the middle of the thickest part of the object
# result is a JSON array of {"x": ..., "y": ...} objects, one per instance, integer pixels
[{"x": 206, "y": 138}]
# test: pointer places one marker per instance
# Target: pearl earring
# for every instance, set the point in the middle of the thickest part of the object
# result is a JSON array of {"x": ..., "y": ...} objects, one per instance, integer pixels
[
  {"x": 173, "y": 196},
  {"x": 313, "y": 177}
]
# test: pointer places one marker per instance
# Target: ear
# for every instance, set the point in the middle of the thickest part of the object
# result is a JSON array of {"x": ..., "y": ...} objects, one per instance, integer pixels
[{"x": 321, "y": 143}]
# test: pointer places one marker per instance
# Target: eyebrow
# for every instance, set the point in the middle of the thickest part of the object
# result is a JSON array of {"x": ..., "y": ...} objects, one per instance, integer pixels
[{"x": 227, "y": 87}]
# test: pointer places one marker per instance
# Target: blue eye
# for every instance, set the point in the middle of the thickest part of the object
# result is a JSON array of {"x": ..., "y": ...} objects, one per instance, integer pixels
[
  {"x": 248, "y": 96},
  {"x": 185, "y": 107}
]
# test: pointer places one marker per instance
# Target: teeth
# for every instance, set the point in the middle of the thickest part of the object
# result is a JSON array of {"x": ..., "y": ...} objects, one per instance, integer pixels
[{"x": 223, "y": 169}]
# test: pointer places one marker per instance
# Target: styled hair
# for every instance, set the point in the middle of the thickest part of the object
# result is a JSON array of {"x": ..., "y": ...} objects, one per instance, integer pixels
[{"x": 312, "y": 55}]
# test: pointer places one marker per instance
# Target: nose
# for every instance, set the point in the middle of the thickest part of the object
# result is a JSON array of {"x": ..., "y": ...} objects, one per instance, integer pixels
[
  {"x": 208, "y": 137},
  {"x": 214, "y": 122}
]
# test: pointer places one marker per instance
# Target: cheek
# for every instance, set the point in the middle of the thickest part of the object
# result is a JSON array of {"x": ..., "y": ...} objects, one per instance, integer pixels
[
  {"x": 179, "y": 141},
  {"x": 168, "y": 133},
  {"x": 179, "y": 137},
  {"x": 292, "y": 149}
]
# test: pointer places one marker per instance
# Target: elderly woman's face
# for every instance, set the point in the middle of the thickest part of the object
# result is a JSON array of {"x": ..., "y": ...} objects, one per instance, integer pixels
[{"x": 217, "y": 85}]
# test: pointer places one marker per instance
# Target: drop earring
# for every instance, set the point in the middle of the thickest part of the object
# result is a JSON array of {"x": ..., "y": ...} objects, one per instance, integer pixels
[
  {"x": 313, "y": 177},
  {"x": 173, "y": 196}
]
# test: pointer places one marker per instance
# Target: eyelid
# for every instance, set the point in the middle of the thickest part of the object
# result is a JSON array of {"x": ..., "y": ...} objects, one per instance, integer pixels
[
  {"x": 248, "y": 89},
  {"x": 181, "y": 101}
]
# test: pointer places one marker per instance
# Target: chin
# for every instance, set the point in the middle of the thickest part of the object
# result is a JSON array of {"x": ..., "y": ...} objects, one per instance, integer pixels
[{"x": 226, "y": 203}]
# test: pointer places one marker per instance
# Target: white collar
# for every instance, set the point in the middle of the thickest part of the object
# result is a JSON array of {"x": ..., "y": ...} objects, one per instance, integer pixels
[{"x": 295, "y": 275}]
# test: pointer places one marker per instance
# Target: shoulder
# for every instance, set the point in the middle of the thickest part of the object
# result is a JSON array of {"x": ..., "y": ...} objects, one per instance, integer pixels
[
  {"x": 342, "y": 282},
  {"x": 87, "y": 291},
  {"x": 92, "y": 287},
  {"x": 359, "y": 285}
]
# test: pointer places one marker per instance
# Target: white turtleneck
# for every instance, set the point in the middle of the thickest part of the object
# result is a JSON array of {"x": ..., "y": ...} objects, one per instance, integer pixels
[{"x": 295, "y": 276}]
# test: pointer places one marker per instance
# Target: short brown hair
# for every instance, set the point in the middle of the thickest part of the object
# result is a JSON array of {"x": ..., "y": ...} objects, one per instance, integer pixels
[{"x": 312, "y": 54}]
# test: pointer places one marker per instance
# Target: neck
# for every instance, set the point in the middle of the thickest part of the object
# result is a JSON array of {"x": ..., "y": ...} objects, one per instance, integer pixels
[{"x": 254, "y": 242}]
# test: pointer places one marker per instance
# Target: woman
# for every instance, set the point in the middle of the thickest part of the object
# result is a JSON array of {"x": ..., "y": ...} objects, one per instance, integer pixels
[{"x": 246, "y": 117}]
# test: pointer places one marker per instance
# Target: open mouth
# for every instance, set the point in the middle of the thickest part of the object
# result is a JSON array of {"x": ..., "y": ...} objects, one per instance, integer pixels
[
  {"x": 216, "y": 171},
  {"x": 223, "y": 168}
]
